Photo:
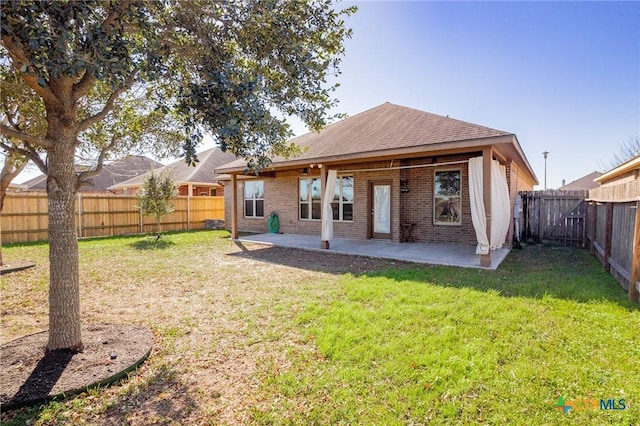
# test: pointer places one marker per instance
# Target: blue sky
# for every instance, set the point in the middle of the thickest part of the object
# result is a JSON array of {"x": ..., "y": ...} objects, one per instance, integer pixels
[{"x": 563, "y": 76}]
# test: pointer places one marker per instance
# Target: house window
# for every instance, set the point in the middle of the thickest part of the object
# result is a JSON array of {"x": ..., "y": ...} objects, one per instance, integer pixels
[
  {"x": 310, "y": 198},
  {"x": 254, "y": 198},
  {"x": 342, "y": 204},
  {"x": 447, "y": 202}
]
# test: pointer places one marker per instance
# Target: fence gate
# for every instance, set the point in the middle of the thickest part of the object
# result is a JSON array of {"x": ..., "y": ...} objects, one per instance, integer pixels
[{"x": 554, "y": 217}]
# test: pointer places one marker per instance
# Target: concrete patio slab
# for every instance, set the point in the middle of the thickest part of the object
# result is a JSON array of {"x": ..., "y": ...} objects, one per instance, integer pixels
[{"x": 427, "y": 253}]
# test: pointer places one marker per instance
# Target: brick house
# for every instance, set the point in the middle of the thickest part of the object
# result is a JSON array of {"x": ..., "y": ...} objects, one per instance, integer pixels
[
  {"x": 195, "y": 181},
  {"x": 111, "y": 174},
  {"x": 401, "y": 174}
]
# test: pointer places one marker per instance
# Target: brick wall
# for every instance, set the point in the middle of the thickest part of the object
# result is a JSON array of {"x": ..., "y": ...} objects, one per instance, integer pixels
[
  {"x": 418, "y": 205},
  {"x": 411, "y": 202}
]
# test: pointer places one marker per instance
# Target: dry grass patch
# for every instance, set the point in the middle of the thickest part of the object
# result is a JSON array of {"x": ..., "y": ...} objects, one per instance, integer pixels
[{"x": 220, "y": 311}]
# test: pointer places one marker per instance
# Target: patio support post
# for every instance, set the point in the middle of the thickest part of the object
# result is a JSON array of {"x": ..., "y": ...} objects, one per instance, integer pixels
[
  {"x": 487, "y": 157},
  {"x": 234, "y": 207}
]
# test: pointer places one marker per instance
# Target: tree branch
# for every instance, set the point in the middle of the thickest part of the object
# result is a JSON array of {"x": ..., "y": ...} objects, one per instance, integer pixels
[
  {"x": 88, "y": 80},
  {"x": 83, "y": 86},
  {"x": 28, "y": 152},
  {"x": 85, "y": 175},
  {"x": 40, "y": 142},
  {"x": 19, "y": 59},
  {"x": 90, "y": 121},
  {"x": 10, "y": 170}
]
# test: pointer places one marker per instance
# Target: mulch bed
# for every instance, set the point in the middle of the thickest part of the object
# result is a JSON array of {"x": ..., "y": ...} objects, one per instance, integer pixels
[
  {"x": 7, "y": 268},
  {"x": 29, "y": 376}
]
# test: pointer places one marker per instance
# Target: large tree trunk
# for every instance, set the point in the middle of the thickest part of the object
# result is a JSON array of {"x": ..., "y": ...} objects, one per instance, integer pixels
[{"x": 64, "y": 283}]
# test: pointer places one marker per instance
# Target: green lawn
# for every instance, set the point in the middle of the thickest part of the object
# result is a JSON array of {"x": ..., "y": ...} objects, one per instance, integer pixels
[{"x": 248, "y": 335}]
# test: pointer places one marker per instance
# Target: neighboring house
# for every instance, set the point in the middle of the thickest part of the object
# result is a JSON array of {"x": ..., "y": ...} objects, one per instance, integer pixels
[
  {"x": 17, "y": 187},
  {"x": 620, "y": 184},
  {"x": 199, "y": 180},
  {"x": 111, "y": 173},
  {"x": 585, "y": 183},
  {"x": 401, "y": 174}
]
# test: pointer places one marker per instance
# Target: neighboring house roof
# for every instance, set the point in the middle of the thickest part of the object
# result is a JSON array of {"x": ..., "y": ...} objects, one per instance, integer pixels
[
  {"x": 391, "y": 129},
  {"x": 584, "y": 183},
  {"x": 111, "y": 173},
  {"x": 203, "y": 173},
  {"x": 17, "y": 187},
  {"x": 626, "y": 167}
]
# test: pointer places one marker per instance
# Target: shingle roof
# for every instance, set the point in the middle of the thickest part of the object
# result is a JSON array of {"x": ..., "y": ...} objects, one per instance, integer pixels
[
  {"x": 584, "y": 183},
  {"x": 385, "y": 127},
  {"x": 203, "y": 172},
  {"x": 111, "y": 173}
]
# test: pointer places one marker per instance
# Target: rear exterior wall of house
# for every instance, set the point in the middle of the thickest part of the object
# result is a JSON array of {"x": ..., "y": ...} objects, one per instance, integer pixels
[{"x": 412, "y": 201}]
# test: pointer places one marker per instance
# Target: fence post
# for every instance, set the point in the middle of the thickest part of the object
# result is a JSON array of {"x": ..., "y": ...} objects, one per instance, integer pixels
[
  {"x": 607, "y": 237},
  {"x": 541, "y": 224},
  {"x": 585, "y": 230},
  {"x": 79, "y": 208},
  {"x": 189, "y": 209},
  {"x": 634, "y": 295},
  {"x": 593, "y": 229}
]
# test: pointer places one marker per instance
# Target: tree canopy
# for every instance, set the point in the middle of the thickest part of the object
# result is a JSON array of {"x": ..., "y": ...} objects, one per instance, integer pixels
[
  {"x": 235, "y": 70},
  {"x": 92, "y": 78}
]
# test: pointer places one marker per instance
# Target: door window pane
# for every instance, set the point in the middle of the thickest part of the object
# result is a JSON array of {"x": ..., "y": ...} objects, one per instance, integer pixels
[{"x": 382, "y": 209}]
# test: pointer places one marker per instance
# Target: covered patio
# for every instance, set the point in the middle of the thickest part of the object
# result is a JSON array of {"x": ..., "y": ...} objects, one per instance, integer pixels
[{"x": 426, "y": 253}]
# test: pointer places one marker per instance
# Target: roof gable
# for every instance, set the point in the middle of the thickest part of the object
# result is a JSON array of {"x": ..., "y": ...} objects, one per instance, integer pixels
[
  {"x": 583, "y": 183},
  {"x": 390, "y": 126},
  {"x": 203, "y": 172},
  {"x": 386, "y": 127},
  {"x": 112, "y": 173}
]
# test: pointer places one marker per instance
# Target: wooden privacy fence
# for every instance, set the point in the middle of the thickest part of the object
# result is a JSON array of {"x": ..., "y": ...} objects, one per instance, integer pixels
[
  {"x": 25, "y": 216},
  {"x": 613, "y": 233},
  {"x": 553, "y": 217},
  {"x": 606, "y": 220}
]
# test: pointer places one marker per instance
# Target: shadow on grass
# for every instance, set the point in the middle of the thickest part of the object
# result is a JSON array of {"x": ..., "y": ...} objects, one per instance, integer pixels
[
  {"x": 152, "y": 244},
  {"x": 533, "y": 272},
  {"x": 330, "y": 263},
  {"x": 159, "y": 399}
]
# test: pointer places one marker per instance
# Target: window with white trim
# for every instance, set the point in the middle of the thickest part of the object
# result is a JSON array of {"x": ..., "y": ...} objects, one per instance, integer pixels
[
  {"x": 447, "y": 202},
  {"x": 254, "y": 198},
  {"x": 310, "y": 198},
  {"x": 342, "y": 204}
]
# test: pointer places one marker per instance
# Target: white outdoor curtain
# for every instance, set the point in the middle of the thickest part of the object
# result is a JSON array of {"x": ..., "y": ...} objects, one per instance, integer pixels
[
  {"x": 500, "y": 205},
  {"x": 478, "y": 215},
  {"x": 327, "y": 212}
]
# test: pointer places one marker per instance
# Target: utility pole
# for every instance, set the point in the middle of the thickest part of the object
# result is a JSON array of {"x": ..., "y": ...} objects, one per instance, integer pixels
[{"x": 545, "y": 169}]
